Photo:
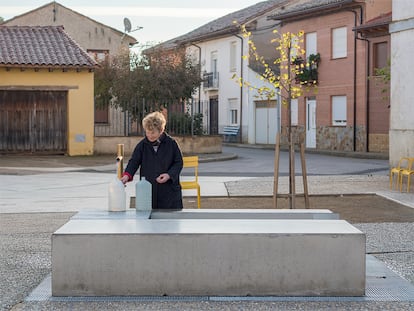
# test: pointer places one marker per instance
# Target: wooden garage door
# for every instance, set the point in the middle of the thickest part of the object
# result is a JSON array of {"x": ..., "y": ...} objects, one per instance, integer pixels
[{"x": 33, "y": 121}]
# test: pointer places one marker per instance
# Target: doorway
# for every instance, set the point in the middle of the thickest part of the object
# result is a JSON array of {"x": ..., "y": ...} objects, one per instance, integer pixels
[
  {"x": 213, "y": 115},
  {"x": 310, "y": 123},
  {"x": 33, "y": 121},
  {"x": 266, "y": 122}
]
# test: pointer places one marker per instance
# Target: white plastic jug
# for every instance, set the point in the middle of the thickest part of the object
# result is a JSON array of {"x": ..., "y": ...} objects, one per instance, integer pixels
[
  {"x": 116, "y": 196},
  {"x": 143, "y": 195}
]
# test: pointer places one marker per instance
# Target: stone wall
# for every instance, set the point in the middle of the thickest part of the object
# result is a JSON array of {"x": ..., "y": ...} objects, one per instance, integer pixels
[
  {"x": 334, "y": 138},
  {"x": 337, "y": 138},
  {"x": 188, "y": 144},
  {"x": 298, "y": 134},
  {"x": 379, "y": 143}
]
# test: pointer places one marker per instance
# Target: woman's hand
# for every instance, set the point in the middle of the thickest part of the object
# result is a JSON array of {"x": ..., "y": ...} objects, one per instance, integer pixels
[
  {"x": 124, "y": 179},
  {"x": 163, "y": 178}
]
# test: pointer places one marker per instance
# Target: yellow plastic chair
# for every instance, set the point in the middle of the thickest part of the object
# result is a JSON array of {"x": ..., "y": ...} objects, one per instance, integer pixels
[
  {"x": 407, "y": 172},
  {"x": 191, "y": 162},
  {"x": 403, "y": 163}
]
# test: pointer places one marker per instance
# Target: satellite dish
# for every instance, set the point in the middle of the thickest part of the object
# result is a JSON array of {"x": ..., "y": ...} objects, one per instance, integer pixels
[{"x": 127, "y": 24}]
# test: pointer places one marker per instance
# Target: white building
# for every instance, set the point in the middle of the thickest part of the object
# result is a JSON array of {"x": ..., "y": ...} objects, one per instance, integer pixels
[
  {"x": 402, "y": 97},
  {"x": 219, "y": 47},
  {"x": 225, "y": 102}
]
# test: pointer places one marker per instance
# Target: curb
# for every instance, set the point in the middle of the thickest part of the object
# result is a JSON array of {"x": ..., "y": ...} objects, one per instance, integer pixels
[
  {"x": 204, "y": 158},
  {"x": 336, "y": 153}
]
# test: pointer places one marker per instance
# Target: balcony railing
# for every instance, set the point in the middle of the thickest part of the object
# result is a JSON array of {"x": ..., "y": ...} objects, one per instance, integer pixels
[
  {"x": 211, "y": 80},
  {"x": 308, "y": 69}
]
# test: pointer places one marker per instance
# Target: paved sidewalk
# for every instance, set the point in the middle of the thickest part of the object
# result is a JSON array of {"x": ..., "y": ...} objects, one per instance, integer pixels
[{"x": 59, "y": 183}]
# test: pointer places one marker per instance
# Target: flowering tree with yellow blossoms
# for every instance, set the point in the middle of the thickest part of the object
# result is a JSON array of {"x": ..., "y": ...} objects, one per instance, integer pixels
[{"x": 287, "y": 82}]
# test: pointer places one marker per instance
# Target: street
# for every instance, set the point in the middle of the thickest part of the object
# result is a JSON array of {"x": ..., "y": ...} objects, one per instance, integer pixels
[{"x": 256, "y": 162}]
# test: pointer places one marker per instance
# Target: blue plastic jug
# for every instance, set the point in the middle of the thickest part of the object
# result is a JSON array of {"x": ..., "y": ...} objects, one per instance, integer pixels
[{"x": 143, "y": 195}]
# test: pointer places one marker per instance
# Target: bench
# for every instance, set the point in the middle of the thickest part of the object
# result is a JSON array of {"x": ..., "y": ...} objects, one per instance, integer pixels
[
  {"x": 100, "y": 253},
  {"x": 230, "y": 133}
]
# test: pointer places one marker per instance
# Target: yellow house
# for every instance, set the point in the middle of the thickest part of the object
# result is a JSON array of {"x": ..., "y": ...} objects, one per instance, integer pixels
[
  {"x": 99, "y": 40},
  {"x": 46, "y": 92}
]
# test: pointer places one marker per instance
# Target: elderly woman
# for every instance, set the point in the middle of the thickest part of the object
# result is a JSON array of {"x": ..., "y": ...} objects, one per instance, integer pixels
[{"x": 160, "y": 161}]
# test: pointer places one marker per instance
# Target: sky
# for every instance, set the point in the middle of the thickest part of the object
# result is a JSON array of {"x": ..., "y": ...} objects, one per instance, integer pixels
[{"x": 160, "y": 20}]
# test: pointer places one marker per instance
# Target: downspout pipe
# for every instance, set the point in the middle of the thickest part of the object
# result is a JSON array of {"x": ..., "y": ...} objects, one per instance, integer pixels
[
  {"x": 367, "y": 106},
  {"x": 199, "y": 65},
  {"x": 241, "y": 89},
  {"x": 355, "y": 71}
]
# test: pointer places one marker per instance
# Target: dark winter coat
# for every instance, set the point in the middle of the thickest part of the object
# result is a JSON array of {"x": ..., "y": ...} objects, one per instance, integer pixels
[{"x": 167, "y": 159}]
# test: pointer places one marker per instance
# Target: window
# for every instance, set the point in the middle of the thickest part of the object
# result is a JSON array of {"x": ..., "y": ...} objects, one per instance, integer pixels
[
  {"x": 294, "y": 111},
  {"x": 98, "y": 55},
  {"x": 294, "y": 44},
  {"x": 233, "y": 111},
  {"x": 213, "y": 64},
  {"x": 339, "y": 110},
  {"x": 311, "y": 47},
  {"x": 380, "y": 55},
  {"x": 233, "y": 117},
  {"x": 233, "y": 56},
  {"x": 339, "y": 43}
]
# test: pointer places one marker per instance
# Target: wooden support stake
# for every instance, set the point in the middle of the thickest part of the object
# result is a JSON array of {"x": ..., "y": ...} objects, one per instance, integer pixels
[
  {"x": 304, "y": 175},
  {"x": 292, "y": 186},
  {"x": 276, "y": 170}
]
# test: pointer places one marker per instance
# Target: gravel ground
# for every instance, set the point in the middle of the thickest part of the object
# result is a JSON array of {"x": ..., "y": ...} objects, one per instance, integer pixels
[
  {"x": 25, "y": 261},
  {"x": 25, "y": 252},
  {"x": 393, "y": 244}
]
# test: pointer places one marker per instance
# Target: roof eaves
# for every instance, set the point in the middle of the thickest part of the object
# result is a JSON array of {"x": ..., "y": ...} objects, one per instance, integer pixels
[
  {"x": 301, "y": 11},
  {"x": 48, "y": 66},
  {"x": 379, "y": 21},
  {"x": 364, "y": 27},
  {"x": 203, "y": 33},
  {"x": 375, "y": 28},
  {"x": 212, "y": 35},
  {"x": 233, "y": 28},
  {"x": 132, "y": 39}
]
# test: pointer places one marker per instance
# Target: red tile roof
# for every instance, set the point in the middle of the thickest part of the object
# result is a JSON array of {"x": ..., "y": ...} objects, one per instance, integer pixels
[{"x": 41, "y": 46}]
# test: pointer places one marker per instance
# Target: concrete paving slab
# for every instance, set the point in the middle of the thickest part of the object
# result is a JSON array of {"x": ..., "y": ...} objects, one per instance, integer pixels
[{"x": 75, "y": 191}]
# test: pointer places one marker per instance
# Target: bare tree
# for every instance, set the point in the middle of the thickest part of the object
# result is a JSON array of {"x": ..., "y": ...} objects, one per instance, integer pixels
[{"x": 124, "y": 81}]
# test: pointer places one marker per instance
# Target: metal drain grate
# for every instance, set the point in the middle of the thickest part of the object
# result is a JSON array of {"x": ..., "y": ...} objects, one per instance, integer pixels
[
  {"x": 128, "y": 298},
  {"x": 381, "y": 285},
  {"x": 399, "y": 293},
  {"x": 43, "y": 292}
]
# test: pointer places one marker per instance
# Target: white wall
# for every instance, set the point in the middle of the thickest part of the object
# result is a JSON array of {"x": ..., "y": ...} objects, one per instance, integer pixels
[
  {"x": 252, "y": 95},
  {"x": 402, "y": 97},
  {"x": 229, "y": 87}
]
